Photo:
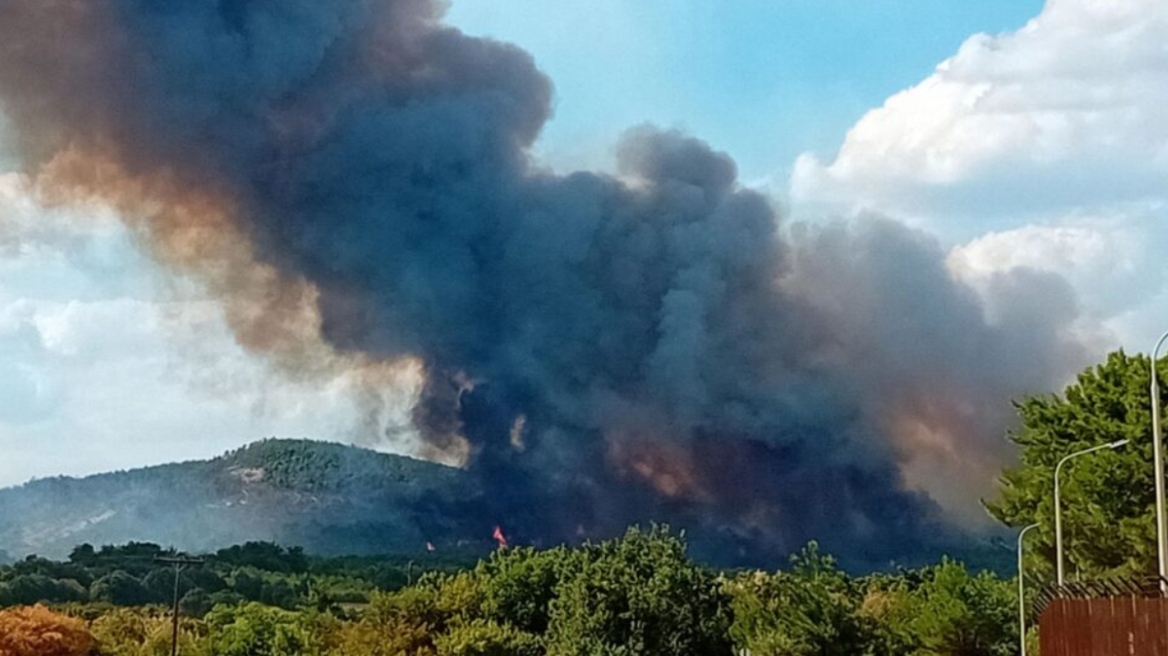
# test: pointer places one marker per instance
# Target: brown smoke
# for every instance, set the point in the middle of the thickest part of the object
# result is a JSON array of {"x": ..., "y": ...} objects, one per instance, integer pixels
[{"x": 193, "y": 231}]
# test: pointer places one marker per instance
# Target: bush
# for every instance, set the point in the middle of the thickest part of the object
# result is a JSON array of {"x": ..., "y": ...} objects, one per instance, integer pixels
[
  {"x": 146, "y": 632},
  {"x": 385, "y": 635},
  {"x": 37, "y": 631},
  {"x": 812, "y": 609},
  {"x": 196, "y": 603},
  {"x": 639, "y": 595},
  {"x": 120, "y": 589},
  {"x": 29, "y": 589},
  {"x": 257, "y": 630},
  {"x": 520, "y": 584},
  {"x": 486, "y": 638},
  {"x": 397, "y": 623},
  {"x": 955, "y": 612}
]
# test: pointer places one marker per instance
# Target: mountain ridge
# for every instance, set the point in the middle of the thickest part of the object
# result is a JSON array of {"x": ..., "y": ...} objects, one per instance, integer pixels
[{"x": 325, "y": 496}]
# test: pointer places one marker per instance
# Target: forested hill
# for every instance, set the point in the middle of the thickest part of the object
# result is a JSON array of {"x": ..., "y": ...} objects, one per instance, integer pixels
[{"x": 325, "y": 497}]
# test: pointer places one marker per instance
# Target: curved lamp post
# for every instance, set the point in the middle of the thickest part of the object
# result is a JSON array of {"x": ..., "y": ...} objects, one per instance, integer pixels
[
  {"x": 1022, "y": 595},
  {"x": 1058, "y": 515},
  {"x": 1158, "y": 456}
]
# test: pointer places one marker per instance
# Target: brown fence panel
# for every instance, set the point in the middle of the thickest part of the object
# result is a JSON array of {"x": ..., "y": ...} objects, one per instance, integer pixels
[{"x": 1105, "y": 626}]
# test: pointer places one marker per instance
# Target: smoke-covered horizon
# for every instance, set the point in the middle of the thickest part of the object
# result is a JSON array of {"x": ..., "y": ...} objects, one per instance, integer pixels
[{"x": 354, "y": 182}]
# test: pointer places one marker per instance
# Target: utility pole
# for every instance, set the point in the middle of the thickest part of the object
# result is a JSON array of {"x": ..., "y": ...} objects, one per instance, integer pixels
[{"x": 178, "y": 562}]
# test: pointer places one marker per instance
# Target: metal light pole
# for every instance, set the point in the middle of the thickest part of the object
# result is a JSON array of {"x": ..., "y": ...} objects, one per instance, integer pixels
[
  {"x": 1158, "y": 456},
  {"x": 1058, "y": 515},
  {"x": 178, "y": 562},
  {"x": 1022, "y": 595}
]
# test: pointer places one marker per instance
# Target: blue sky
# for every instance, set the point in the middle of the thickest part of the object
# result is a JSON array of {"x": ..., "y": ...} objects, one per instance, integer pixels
[
  {"x": 1014, "y": 133},
  {"x": 764, "y": 80}
]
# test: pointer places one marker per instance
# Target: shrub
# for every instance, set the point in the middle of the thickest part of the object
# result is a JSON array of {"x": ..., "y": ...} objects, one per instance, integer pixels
[
  {"x": 639, "y": 595},
  {"x": 485, "y": 638},
  {"x": 37, "y": 631}
]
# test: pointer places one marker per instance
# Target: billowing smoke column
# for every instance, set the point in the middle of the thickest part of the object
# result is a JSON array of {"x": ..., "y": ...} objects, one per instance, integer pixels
[{"x": 355, "y": 178}]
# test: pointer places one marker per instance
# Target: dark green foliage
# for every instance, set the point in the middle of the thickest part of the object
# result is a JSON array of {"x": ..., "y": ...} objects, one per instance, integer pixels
[
  {"x": 25, "y": 589},
  {"x": 487, "y": 638},
  {"x": 120, "y": 589},
  {"x": 49, "y": 568},
  {"x": 255, "y": 630},
  {"x": 814, "y": 608},
  {"x": 280, "y": 593},
  {"x": 83, "y": 555},
  {"x": 138, "y": 558},
  {"x": 129, "y": 575},
  {"x": 960, "y": 614},
  {"x": 227, "y": 598},
  {"x": 638, "y": 595},
  {"x": 205, "y": 578},
  {"x": 311, "y": 466},
  {"x": 248, "y": 583},
  {"x": 1108, "y": 497},
  {"x": 159, "y": 585},
  {"x": 196, "y": 603},
  {"x": 520, "y": 584},
  {"x": 265, "y": 556}
]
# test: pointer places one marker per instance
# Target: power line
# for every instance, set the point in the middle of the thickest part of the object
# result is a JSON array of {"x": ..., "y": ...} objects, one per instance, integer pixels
[{"x": 179, "y": 562}]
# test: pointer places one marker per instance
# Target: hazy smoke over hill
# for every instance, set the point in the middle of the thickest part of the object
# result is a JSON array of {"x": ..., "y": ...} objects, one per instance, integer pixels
[{"x": 354, "y": 179}]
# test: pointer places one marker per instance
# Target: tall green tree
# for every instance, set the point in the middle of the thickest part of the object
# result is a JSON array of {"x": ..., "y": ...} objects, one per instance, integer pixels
[
  {"x": 957, "y": 613},
  {"x": 1107, "y": 497},
  {"x": 256, "y": 630},
  {"x": 812, "y": 609},
  {"x": 639, "y": 596}
]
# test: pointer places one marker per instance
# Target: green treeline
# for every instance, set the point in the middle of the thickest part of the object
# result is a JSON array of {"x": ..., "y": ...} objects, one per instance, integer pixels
[
  {"x": 1108, "y": 498},
  {"x": 640, "y": 594},
  {"x": 261, "y": 572}
]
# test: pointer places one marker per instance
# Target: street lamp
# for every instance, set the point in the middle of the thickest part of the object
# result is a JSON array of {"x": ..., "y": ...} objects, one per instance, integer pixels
[
  {"x": 1022, "y": 595},
  {"x": 1058, "y": 516},
  {"x": 1158, "y": 456}
]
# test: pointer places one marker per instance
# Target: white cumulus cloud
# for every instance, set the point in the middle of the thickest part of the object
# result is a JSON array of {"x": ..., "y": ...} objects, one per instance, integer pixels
[
  {"x": 106, "y": 364},
  {"x": 1064, "y": 112},
  {"x": 1044, "y": 148}
]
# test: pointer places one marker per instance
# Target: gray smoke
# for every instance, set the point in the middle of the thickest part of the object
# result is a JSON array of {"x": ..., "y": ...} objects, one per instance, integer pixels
[{"x": 609, "y": 349}]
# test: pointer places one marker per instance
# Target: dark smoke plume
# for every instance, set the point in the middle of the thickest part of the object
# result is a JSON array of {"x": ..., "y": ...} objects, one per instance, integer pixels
[{"x": 356, "y": 177}]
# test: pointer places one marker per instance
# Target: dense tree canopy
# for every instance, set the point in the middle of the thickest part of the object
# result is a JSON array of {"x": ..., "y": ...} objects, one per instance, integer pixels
[
  {"x": 640, "y": 595},
  {"x": 815, "y": 609},
  {"x": 1108, "y": 496},
  {"x": 129, "y": 575}
]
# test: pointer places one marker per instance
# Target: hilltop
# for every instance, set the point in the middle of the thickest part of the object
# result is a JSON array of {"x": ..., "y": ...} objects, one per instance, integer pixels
[{"x": 326, "y": 497}]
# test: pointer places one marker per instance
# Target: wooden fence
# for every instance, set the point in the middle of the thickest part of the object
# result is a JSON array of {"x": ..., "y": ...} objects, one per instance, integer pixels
[{"x": 1133, "y": 622}]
